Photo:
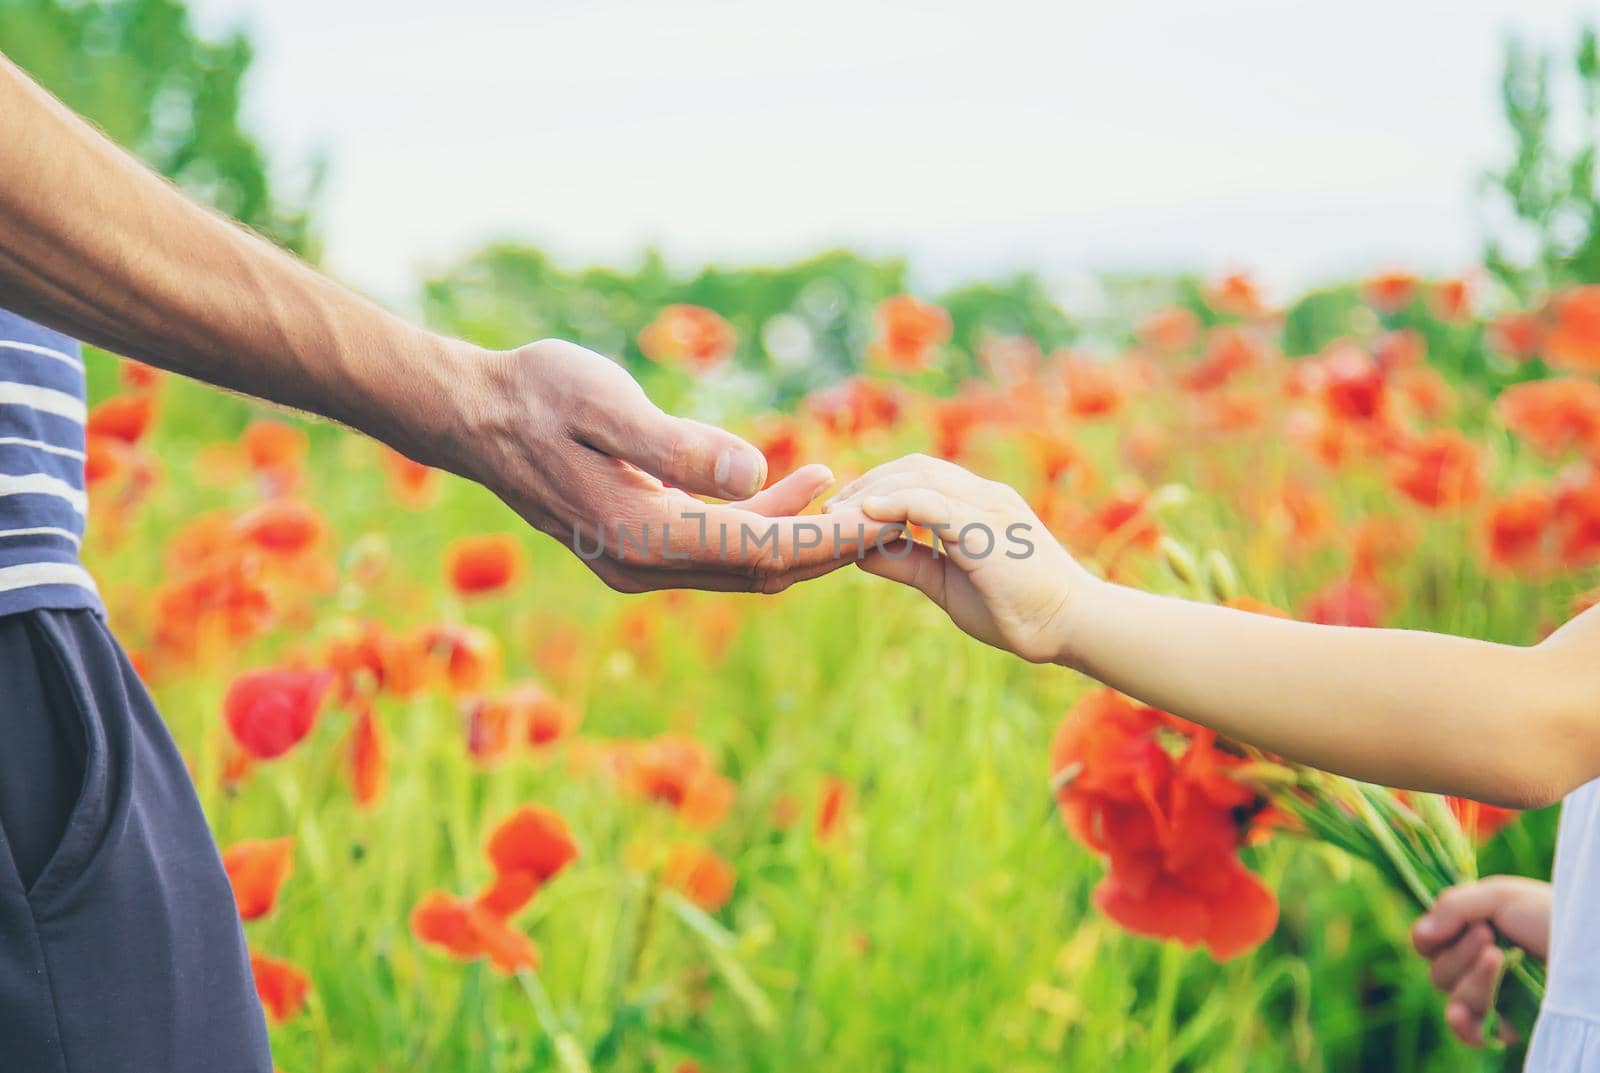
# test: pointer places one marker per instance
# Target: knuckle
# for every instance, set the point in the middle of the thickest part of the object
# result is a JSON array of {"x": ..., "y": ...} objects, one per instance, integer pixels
[{"x": 678, "y": 456}]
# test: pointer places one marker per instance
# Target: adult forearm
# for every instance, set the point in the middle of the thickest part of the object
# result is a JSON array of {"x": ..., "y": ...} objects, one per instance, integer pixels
[
  {"x": 95, "y": 244},
  {"x": 1402, "y": 708}
]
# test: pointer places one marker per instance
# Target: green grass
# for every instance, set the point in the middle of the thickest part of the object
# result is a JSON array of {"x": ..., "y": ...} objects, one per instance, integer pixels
[{"x": 949, "y": 927}]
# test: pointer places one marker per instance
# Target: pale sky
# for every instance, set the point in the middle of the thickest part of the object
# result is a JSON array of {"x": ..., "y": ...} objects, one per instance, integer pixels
[{"x": 1306, "y": 141}]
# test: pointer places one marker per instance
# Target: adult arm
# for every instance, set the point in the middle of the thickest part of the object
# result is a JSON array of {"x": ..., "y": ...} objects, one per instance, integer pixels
[{"x": 96, "y": 245}]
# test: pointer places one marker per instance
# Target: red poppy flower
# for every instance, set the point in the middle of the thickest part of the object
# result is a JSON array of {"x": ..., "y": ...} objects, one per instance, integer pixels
[
  {"x": 491, "y": 729},
  {"x": 1573, "y": 339},
  {"x": 1439, "y": 470},
  {"x": 1481, "y": 822},
  {"x": 1092, "y": 388},
  {"x": 137, "y": 376},
  {"x": 1353, "y": 385},
  {"x": 276, "y": 452},
  {"x": 466, "y": 931},
  {"x": 1390, "y": 292},
  {"x": 270, "y": 711},
  {"x": 284, "y": 527},
  {"x": 1451, "y": 299},
  {"x": 1400, "y": 350},
  {"x": 470, "y": 656},
  {"x": 1351, "y": 602},
  {"x": 833, "y": 808},
  {"x": 529, "y": 710},
  {"x": 910, "y": 332},
  {"x": 283, "y": 988},
  {"x": 1518, "y": 336},
  {"x": 1155, "y": 795},
  {"x": 412, "y": 483},
  {"x": 1515, "y": 527},
  {"x": 780, "y": 441},
  {"x": 677, "y": 771},
  {"x": 1229, "y": 352},
  {"x": 107, "y": 458},
  {"x": 699, "y": 875},
  {"x": 855, "y": 407},
  {"x": 1237, "y": 295},
  {"x": 1577, "y": 519},
  {"x": 367, "y": 659},
  {"x": 693, "y": 337},
  {"x": 483, "y": 564},
  {"x": 1170, "y": 330},
  {"x": 125, "y": 418},
  {"x": 257, "y": 869},
  {"x": 1122, "y": 522},
  {"x": 1220, "y": 904},
  {"x": 367, "y": 759},
  {"x": 1553, "y": 416},
  {"x": 527, "y": 850}
]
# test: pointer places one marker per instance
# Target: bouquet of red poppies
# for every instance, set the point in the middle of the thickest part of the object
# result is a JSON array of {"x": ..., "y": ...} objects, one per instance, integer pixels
[{"x": 1170, "y": 805}]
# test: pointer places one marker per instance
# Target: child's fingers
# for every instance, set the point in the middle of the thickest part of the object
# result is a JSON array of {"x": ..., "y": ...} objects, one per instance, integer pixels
[
  {"x": 881, "y": 485},
  {"x": 909, "y": 563},
  {"x": 910, "y": 470},
  {"x": 1468, "y": 1029},
  {"x": 1475, "y": 992},
  {"x": 926, "y": 507},
  {"x": 1451, "y": 963},
  {"x": 1452, "y": 911},
  {"x": 875, "y": 475}
]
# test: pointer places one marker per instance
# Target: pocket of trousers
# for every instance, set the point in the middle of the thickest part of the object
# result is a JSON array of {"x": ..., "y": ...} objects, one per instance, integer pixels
[{"x": 70, "y": 699}]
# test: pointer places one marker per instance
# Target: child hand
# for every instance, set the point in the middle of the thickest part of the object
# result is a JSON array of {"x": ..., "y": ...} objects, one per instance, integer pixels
[
  {"x": 1458, "y": 936},
  {"x": 994, "y": 568}
]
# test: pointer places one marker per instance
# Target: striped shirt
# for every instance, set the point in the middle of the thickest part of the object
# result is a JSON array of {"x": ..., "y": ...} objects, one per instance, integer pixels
[{"x": 43, "y": 506}]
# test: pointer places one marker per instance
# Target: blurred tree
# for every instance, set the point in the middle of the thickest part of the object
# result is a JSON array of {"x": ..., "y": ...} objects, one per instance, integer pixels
[
  {"x": 1552, "y": 237},
  {"x": 137, "y": 69}
]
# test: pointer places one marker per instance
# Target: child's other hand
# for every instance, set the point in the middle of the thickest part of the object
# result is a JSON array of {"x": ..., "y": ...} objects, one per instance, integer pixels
[
  {"x": 996, "y": 570},
  {"x": 1458, "y": 936}
]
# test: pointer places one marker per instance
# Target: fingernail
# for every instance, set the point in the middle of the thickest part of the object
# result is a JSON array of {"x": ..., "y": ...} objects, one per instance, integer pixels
[
  {"x": 738, "y": 473},
  {"x": 1426, "y": 927}
]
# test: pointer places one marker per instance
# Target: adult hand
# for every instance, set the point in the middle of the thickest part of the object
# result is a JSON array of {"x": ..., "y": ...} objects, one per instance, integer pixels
[
  {"x": 1458, "y": 936},
  {"x": 570, "y": 441}
]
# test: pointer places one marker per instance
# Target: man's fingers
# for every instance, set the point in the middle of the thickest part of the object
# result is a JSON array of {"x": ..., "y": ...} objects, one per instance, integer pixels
[
  {"x": 678, "y": 532},
  {"x": 792, "y": 494},
  {"x": 696, "y": 457},
  {"x": 1452, "y": 963},
  {"x": 638, "y": 579}
]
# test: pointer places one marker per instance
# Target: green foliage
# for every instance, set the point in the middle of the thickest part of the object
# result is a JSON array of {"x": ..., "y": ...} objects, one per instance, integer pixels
[
  {"x": 1548, "y": 186},
  {"x": 799, "y": 326},
  {"x": 136, "y": 68}
]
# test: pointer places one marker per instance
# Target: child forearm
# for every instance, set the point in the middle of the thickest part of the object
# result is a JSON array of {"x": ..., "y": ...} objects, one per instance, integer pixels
[{"x": 1499, "y": 723}]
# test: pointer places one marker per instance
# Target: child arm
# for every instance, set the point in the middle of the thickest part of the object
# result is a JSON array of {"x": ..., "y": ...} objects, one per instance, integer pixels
[{"x": 1500, "y": 723}]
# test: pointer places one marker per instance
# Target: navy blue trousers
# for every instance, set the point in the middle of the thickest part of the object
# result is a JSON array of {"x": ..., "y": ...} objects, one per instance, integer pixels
[{"x": 120, "y": 946}]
